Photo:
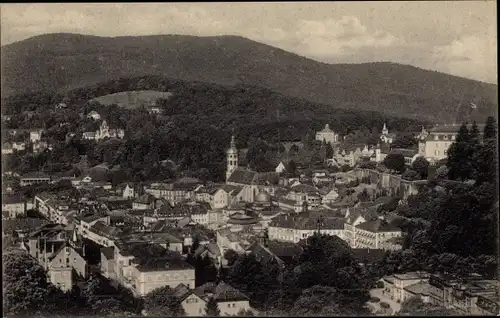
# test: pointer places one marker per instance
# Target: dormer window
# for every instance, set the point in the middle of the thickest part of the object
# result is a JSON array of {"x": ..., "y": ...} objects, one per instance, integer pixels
[
  {"x": 436, "y": 137},
  {"x": 453, "y": 137},
  {"x": 445, "y": 137}
]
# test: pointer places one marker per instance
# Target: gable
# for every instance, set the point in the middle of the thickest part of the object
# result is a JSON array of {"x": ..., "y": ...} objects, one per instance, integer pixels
[{"x": 190, "y": 299}]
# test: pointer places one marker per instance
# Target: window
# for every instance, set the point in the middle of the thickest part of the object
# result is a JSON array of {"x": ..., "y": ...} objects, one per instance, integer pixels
[
  {"x": 436, "y": 152},
  {"x": 445, "y": 137},
  {"x": 436, "y": 137},
  {"x": 445, "y": 152},
  {"x": 453, "y": 137}
]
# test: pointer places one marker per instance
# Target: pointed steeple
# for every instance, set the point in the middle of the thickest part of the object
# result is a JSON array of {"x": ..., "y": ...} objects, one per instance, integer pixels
[{"x": 233, "y": 142}]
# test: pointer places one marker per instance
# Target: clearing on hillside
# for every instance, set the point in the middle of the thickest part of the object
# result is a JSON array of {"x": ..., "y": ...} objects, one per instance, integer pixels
[{"x": 132, "y": 99}]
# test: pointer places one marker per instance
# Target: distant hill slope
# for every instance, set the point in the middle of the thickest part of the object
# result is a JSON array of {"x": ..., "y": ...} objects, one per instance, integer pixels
[
  {"x": 66, "y": 61},
  {"x": 132, "y": 99}
]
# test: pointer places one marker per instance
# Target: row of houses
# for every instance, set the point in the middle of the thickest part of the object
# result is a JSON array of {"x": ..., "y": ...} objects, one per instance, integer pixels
[{"x": 471, "y": 295}]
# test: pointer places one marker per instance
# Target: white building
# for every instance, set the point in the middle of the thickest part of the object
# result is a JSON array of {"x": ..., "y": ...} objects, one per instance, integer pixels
[
  {"x": 281, "y": 167},
  {"x": 293, "y": 228},
  {"x": 327, "y": 135},
  {"x": 387, "y": 137},
  {"x": 94, "y": 115}
]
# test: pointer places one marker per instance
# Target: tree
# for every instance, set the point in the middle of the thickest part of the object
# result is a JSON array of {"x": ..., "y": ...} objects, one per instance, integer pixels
[
  {"x": 205, "y": 270},
  {"x": 231, "y": 256},
  {"x": 162, "y": 302},
  {"x": 291, "y": 168},
  {"x": 329, "y": 151},
  {"x": 410, "y": 175},
  {"x": 421, "y": 165},
  {"x": 212, "y": 308},
  {"x": 395, "y": 162},
  {"x": 196, "y": 243},
  {"x": 26, "y": 289},
  {"x": 414, "y": 306},
  {"x": 245, "y": 313},
  {"x": 459, "y": 153},
  {"x": 490, "y": 128}
]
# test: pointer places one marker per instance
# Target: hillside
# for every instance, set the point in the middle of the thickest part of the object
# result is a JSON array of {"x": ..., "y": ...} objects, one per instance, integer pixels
[
  {"x": 66, "y": 61},
  {"x": 132, "y": 99}
]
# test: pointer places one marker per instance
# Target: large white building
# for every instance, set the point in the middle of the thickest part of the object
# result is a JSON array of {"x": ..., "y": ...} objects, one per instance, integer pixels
[
  {"x": 434, "y": 145},
  {"x": 327, "y": 135}
]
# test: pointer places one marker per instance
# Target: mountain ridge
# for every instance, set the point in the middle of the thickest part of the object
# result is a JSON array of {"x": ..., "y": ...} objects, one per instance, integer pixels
[{"x": 64, "y": 61}]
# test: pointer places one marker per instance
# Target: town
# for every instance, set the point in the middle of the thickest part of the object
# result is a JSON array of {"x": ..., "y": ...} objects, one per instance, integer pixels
[
  {"x": 190, "y": 236},
  {"x": 250, "y": 159}
]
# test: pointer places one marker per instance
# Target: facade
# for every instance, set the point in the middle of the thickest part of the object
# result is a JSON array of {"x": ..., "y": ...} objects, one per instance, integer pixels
[
  {"x": 14, "y": 206},
  {"x": 104, "y": 132},
  {"x": 281, "y": 167},
  {"x": 327, "y": 135},
  {"x": 229, "y": 300},
  {"x": 232, "y": 158},
  {"x": 400, "y": 287},
  {"x": 94, "y": 115},
  {"x": 292, "y": 228},
  {"x": 143, "y": 267},
  {"x": 434, "y": 145},
  {"x": 377, "y": 234},
  {"x": 36, "y": 135},
  {"x": 34, "y": 178}
]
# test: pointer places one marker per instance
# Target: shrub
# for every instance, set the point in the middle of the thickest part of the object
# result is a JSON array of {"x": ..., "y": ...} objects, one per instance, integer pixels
[{"x": 385, "y": 305}]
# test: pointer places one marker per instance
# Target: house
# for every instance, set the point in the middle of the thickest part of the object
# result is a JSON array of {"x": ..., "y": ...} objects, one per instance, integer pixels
[
  {"x": 108, "y": 262},
  {"x": 36, "y": 135},
  {"x": 7, "y": 148},
  {"x": 347, "y": 155},
  {"x": 386, "y": 137},
  {"x": 330, "y": 197},
  {"x": 19, "y": 146},
  {"x": 354, "y": 217},
  {"x": 15, "y": 206},
  {"x": 144, "y": 202},
  {"x": 281, "y": 252},
  {"x": 50, "y": 247},
  {"x": 210, "y": 250},
  {"x": 191, "y": 302},
  {"x": 394, "y": 285},
  {"x": 143, "y": 267},
  {"x": 281, "y": 167},
  {"x": 377, "y": 234},
  {"x": 434, "y": 145},
  {"x": 218, "y": 196},
  {"x": 293, "y": 228},
  {"x": 128, "y": 192},
  {"x": 154, "y": 109},
  {"x": 229, "y": 300},
  {"x": 94, "y": 115},
  {"x": 302, "y": 193},
  {"x": 173, "y": 192},
  {"x": 327, "y": 135},
  {"x": 35, "y": 177}
]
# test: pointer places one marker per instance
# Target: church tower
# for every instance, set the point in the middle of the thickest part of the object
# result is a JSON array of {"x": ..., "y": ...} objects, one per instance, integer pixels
[
  {"x": 385, "y": 131},
  {"x": 232, "y": 158}
]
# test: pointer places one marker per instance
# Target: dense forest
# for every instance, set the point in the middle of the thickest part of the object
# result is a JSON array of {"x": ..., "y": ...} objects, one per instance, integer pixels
[
  {"x": 194, "y": 130},
  {"x": 60, "y": 62}
]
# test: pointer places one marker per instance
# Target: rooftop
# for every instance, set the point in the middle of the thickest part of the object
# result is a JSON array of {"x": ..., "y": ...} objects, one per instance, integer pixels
[
  {"x": 420, "y": 288},
  {"x": 221, "y": 292},
  {"x": 378, "y": 226},
  {"x": 412, "y": 275},
  {"x": 243, "y": 176}
]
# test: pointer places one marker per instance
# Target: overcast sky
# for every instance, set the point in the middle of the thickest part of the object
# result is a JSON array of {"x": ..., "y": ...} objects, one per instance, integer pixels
[{"x": 456, "y": 37}]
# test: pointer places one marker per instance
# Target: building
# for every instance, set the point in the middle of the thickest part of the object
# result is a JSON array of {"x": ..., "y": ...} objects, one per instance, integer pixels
[
  {"x": 94, "y": 115},
  {"x": 7, "y": 148},
  {"x": 229, "y": 300},
  {"x": 400, "y": 287},
  {"x": 49, "y": 245},
  {"x": 144, "y": 202},
  {"x": 347, "y": 155},
  {"x": 104, "y": 132},
  {"x": 293, "y": 228},
  {"x": 36, "y": 135},
  {"x": 330, "y": 197},
  {"x": 232, "y": 158},
  {"x": 434, "y": 145},
  {"x": 34, "y": 178},
  {"x": 14, "y": 206},
  {"x": 192, "y": 302},
  {"x": 327, "y": 135},
  {"x": 387, "y": 137},
  {"x": 19, "y": 146},
  {"x": 377, "y": 234},
  {"x": 281, "y": 167},
  {"x": 143, "y": 267}
]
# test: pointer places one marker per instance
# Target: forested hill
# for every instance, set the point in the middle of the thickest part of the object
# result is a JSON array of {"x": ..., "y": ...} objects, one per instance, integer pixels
[
  {"x": 198, "y": 121},
  {"x": 66, "y": 61}
]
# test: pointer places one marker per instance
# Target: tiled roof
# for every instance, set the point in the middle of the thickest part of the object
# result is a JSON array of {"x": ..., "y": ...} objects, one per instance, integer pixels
[
  {"x": 108, "y": 252},
  {"x": 243, "y": 176},
  {"x": 222, "y": 292},
  {"x": 452, "y": 128},
  {"x": 171, "y": 262},
  {"x": 420, "y": 288},
  {"x": 35, "y": 174},
  {"x": 108, "y": 231},
  {"x": 369, "y": 214},
  {"x": 405, "y": 152},
  {"x": 378, "y": 226},
  {"x": 181, "y": 292},
  {"x": 305, "y": 188},
  {"x": 145, "y": 199},
  {"x": 211, "y": 247},
  {"x": 306, "y": 223}
]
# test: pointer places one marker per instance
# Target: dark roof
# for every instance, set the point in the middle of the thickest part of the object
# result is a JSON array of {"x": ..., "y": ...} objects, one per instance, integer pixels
[
  {"x": 378, "y": 226},
  {"x": 369, "y": 214},
  {"x": 28, "y": 224},
  {"x": 305, "y": 188},
  {"x": 12, "y": 199},
  {"x": 243, "y": 176},
  {"x": 103, "y": 229},
  {"x": 186, "y": 209},
  {"x": 108, "y": 252},
  {"x": 222, "y": 292},
  {"x": 307, "y": 223},
  {"x": 181, "y": 292},
  {"x": 35, "y": 174},
  {"x": 404, "y": 152},
  {"x": 452, "y": 128},
  {"x": 368, "y": 255},
  {"x": 171, "y": 262},
  {"x": 146, "y": 198}
]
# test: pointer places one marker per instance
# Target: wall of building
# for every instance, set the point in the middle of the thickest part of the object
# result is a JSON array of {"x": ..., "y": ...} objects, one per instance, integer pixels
[
  {"x": 145, "y": 282},
  {"x": 233, "y": 307},
  {"x": 194, "y": 306}
]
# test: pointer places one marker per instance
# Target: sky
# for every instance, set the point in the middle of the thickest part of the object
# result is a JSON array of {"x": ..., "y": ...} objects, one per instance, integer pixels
[{"x": 455, "y": 37}]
